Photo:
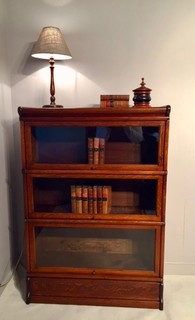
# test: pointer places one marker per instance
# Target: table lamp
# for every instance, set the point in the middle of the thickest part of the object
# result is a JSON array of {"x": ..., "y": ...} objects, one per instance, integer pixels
[{"x": 51, "y": 46}]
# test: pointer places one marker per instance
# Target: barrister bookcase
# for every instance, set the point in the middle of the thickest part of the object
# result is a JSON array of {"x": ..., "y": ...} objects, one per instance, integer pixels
[{"x": 95, "y": 194}]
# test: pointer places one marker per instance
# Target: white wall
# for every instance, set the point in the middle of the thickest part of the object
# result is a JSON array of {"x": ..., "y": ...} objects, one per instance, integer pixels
[
  {"x": 6, "y": 147},
  {"x": 114, "y": 43}
]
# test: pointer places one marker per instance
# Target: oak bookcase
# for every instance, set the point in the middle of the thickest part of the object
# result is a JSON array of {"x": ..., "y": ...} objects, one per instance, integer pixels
[{"x": 113, "y": 257}]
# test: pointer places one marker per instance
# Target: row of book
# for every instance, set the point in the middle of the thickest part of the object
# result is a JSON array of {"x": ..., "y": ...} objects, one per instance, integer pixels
[
  {"x": 96, "y": 150},
  {"x": 91, "y": 199},
  {"x": 119, "y": 101}
]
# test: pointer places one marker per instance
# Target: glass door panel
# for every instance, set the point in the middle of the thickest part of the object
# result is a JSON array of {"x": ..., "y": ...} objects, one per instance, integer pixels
[
  {"x": 55, "y": 145},
  {"x": 124, "y": 145},
  {"x": 130, "y": 145},
  {"x": 97, "y": 196},
  {"x": 99, "y": 248}
]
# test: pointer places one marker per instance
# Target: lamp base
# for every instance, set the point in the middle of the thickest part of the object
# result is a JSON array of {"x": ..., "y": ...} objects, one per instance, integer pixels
[{"x": 52, "y": 106}]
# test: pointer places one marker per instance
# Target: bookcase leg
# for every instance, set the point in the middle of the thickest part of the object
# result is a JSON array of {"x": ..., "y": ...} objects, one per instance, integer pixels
[
  {"x": 27, "y": 290},
  {"x": 161, "y": 295}
]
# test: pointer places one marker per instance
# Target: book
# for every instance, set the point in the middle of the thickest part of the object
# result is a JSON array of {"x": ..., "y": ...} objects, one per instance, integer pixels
[
  {"x": 115, "y": 97},
  {"x": 114, "y": 104},
  {"x": 73, "y": 198},
  {"x": 95, "y": 199},
  {"x": 101, "y": 150},
  {"x": 114, "y": 101},
  {"x": 90, "y": 199},
  {"x": 96, "y": 150},
  {"x": 99, "y": 200},
  {"x": 90, "y": 150},
  {"x": 106, "y": 199},
  {"x": 85, "y": 199},
  {"x": 78, "y": 199}
]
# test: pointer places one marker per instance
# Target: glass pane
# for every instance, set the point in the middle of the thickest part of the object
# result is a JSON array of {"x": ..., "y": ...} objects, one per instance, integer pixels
[
  {"x": 95, "y": 196},
  {"x": 119, "y": 249},
  {"x": 95, "y": 145},
  {"x": 130, "y": 145},
  {"x": 59, "y": 144}
]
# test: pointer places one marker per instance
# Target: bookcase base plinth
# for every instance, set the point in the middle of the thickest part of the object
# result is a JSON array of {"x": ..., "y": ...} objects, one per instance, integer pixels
[{"x": 97, "y": 292}]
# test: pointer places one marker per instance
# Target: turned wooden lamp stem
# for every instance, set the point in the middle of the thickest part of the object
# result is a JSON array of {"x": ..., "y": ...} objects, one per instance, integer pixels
[{"x": 52, "y": 83}]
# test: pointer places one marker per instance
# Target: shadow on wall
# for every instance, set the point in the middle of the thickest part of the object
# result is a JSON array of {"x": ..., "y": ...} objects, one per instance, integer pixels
[{"x": 16, "y": 206}]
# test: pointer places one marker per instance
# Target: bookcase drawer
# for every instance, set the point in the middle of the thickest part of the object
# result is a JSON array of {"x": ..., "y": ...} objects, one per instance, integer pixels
[{"x": 96, "y": 292}]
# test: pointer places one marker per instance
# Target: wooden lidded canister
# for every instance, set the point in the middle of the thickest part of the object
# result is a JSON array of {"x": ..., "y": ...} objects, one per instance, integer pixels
[{"x": 142, "y": 95}]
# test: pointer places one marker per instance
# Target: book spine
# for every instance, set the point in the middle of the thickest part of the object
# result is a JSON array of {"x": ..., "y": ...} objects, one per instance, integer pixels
[
  {"x": 85, "y": 199},
  {"x": 96, "y": 150},
  {"x": 101, "y": 151},
  {"x": 106, "y": 199},
  {"x": 95, "y": 211},
  {"x": 99, "y": 200},
  {"x": 90, "y": 199},
  {"x": 73, "y": 198},
  {"x": 114, "y": 104},
  {"x": 78, "y": 199},
  {"x": 90, "y": 150},
  {"x": 114, "y": 97},
  {"x": 109, "y": 198}
]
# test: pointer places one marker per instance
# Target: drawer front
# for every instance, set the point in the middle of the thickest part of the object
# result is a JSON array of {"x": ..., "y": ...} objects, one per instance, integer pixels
[{"x": 94, "y": 291}]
